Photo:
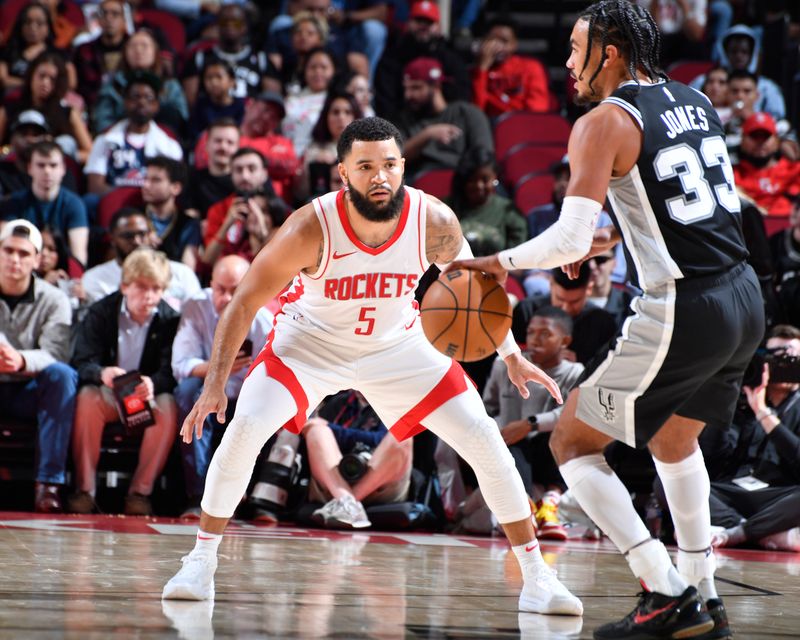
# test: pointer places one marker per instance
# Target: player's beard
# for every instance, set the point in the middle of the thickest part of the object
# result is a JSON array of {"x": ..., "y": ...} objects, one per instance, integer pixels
[{"x": 377, "y": 212}]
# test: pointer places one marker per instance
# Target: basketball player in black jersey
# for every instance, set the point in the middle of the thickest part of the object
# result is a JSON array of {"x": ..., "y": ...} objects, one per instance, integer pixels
[{"x": 656, "y": 149}]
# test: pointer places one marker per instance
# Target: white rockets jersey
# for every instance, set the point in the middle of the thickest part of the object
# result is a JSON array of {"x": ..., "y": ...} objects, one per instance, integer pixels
[{"x": 360, "y": 295}]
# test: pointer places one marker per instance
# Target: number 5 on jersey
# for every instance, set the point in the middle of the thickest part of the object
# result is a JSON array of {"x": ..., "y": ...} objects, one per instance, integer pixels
[{"x": 364, "y": 316}]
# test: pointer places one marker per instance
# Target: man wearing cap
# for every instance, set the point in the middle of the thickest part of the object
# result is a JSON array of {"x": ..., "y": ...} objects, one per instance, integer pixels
[
  {"x": 117, "y": 156},
  {"x": 35, "y": 382},
  {"x": 503, "y": 81},
  {"x": 422, "y": 37},
  {"x": 772, "y": 181},
  {"x": 437, "y": 134},
  {"x": 47, "y": 203}
]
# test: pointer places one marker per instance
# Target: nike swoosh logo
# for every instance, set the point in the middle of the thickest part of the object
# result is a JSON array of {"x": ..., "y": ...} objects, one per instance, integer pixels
[
  {"x": 640, "y": 618},
  {"x": 511, "y": 262},
  {"x": 337, "y": 256},
  {"x": 532, "y": 547}
]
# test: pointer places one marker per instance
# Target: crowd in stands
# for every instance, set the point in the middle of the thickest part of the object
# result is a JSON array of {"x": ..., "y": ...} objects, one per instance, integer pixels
[{"x": 151, "y": 148}]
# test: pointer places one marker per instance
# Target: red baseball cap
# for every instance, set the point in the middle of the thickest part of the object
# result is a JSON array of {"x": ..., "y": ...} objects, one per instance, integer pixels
[
  {"x": 425, "y": 69},
  {"x": 425, "y": 10},
  {"x": 759, "y": 122}
]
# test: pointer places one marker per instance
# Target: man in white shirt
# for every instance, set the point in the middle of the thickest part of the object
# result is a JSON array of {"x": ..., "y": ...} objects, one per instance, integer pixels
[
  {"x": 191, "y": 352},
  {"x": 130, "y": 229},
  {"x": 117, "y": 156}
]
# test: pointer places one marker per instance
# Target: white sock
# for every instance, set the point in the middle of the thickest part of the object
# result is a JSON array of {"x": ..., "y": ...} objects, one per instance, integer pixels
[
  {"x": 605, "y": 500},
  {"x": 651, "y": 563},
  {"x": 687, "y": 488},
  {"x": 528, "y": 555},
  {"x": 207, "y": 542},
  {"x": 698, "y": 567}
]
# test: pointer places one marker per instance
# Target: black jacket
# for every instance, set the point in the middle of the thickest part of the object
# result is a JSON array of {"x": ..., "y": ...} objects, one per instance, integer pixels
[
  {"x": 746, "y": 449},
  {"x": 96, "y": 343}
]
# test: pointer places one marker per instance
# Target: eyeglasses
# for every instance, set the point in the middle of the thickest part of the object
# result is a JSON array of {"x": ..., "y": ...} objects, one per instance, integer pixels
[
  {"x": 130, "y": 235},
  {"x": 110, "y": 13},
  {"x": 233, "y": 22}
]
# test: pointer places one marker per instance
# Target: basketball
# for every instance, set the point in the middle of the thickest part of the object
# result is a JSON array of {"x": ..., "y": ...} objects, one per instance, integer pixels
[{"x": 465, "y": 315}]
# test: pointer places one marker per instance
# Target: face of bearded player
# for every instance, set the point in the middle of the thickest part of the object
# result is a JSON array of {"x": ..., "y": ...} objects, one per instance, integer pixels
[{"x": 373, "y": 173}]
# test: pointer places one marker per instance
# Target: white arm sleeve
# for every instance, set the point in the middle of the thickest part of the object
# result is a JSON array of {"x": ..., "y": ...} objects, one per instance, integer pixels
[{"x": 566, "y": 241}]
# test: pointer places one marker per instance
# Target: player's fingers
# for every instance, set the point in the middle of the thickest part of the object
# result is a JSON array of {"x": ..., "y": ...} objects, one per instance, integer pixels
[{"x": 523, "y": 389}]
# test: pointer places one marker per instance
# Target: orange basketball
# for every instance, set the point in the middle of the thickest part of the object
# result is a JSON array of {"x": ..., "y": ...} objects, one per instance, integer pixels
[{"x": 466, "y": 315}]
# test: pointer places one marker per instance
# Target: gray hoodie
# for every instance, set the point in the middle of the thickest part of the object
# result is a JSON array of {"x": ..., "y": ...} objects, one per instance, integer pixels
[
  {"x": 770, "y": 95},
  {"x": 39, "y": 329}
]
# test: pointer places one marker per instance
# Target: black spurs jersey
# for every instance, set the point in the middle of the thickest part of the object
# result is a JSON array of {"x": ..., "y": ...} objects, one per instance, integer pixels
[{"x": 677, "y": 209}]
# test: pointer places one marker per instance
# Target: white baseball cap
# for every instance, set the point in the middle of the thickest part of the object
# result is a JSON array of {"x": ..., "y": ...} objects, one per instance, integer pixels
[{"x": 22, "y": 229}]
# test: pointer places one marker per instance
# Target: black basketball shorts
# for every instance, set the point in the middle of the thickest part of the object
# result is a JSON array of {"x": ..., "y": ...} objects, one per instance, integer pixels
[{"x": 683, "y": 351}]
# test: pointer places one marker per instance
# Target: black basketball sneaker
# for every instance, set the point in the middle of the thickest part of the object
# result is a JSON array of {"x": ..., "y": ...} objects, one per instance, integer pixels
[
  {"x": 721, "y": 630},
  {"x": 660, "y": 616}
]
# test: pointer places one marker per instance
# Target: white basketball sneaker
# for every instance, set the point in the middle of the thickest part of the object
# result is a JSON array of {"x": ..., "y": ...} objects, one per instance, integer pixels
[
  {"x": 195, "y": 580},
  {"x": 542, "y": 592}
]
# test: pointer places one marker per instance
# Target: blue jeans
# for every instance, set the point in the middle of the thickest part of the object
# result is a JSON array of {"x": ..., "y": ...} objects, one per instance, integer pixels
[
  {"x": 48, "y": 398},
  {"x": 196, "y": 456}
]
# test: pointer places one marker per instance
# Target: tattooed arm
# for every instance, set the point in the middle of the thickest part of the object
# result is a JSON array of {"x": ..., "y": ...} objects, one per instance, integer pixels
[{"x": 443, "y": 237}]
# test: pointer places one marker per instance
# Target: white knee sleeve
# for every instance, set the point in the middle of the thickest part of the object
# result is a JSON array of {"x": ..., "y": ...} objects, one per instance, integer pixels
[
  {"x": 264, "y": 405},
  {"x": 463, "y": 424}
]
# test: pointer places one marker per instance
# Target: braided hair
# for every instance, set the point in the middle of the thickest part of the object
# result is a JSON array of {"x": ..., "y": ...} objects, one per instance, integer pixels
[{"x": 631, "y": 29}]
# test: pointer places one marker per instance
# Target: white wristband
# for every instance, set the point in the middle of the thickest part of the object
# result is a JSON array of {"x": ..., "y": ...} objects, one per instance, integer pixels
[
  {"x": 508, "y": 347},
  {"x": 564, "y": 242}
]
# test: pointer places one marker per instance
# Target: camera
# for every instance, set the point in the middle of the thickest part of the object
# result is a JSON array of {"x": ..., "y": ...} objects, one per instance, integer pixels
[
  {"x": 783, "y": 367},
  {"x": 354, "y": 465},
  {"x": 278, "y": 475}
]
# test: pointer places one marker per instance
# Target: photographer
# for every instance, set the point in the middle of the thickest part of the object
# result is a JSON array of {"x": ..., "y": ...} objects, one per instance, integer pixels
[
  {"x": 243, "y": 222},
  {"x": 129, "y": 330},
  {"x": 379, "y": 472},
  {"x": 755, "y": 465}
]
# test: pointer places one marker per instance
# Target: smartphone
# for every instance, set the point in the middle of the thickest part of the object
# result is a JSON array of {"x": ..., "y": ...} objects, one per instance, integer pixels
[{"x": 247, "y": 347}]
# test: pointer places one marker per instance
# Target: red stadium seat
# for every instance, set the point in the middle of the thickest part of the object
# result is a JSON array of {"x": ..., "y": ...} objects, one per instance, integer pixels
[
  {"x": 687, "y": 70},
  {"x": 528, "y": 158},
  {"x": 775, "y": 224},
  {"x": 517, "y": 127},
  {"x": 532, "y": 191},
  {"x": 170, "y": 25},
  {"x": 435, "y": 182},
  {"x": 115, "y": 200}
]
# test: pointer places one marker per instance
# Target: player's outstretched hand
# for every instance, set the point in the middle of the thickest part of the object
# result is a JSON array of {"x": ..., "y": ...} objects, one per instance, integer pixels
[
  {"x": 210, "y": 401},
  {"x": 522, "y": 371},
  {"x": 487, "y": 264}
]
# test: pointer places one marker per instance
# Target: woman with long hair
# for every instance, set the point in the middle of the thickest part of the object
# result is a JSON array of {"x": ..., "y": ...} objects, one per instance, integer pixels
[
  {"x": 32, "y": 35},
  {"x": 339, "y": 110},
  {"x": 303, "y": 108},
  {"x": 141, "y": 52},
  {"x": 44, "y": 90}
]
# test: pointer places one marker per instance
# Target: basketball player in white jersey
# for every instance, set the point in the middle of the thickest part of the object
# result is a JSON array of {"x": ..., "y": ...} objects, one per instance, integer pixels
[
  {"x": 349, "y": 320},
  {"x": 656, "y": 148}
]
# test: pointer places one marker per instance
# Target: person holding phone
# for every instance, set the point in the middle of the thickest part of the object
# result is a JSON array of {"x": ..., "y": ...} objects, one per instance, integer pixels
[
  {"x": 191, "y": 353},
  {"x": 130, "y": 330}
]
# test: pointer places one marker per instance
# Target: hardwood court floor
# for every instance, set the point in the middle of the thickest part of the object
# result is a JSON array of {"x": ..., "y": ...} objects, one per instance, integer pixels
[{"x": 101, "y": 577}]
